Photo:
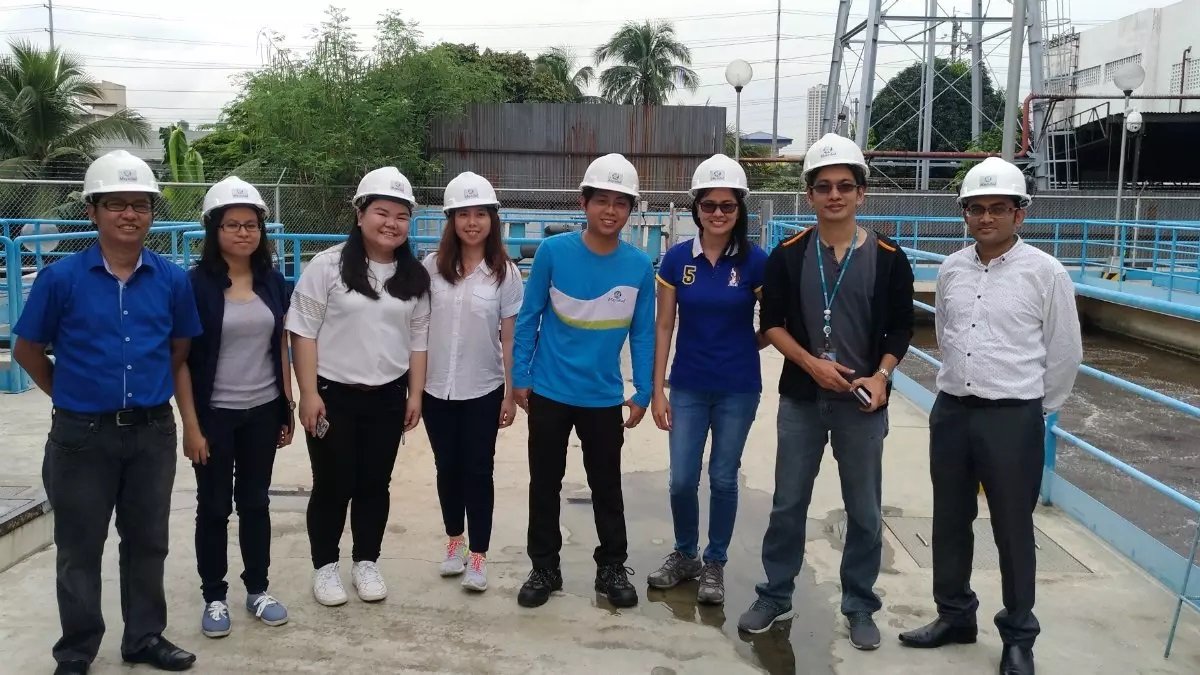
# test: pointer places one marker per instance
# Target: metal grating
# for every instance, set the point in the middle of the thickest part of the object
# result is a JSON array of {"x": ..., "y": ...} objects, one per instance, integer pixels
[{"x": 916, "y": 536}]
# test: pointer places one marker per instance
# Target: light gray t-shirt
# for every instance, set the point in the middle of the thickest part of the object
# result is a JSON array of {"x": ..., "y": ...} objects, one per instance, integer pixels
[
  {"x": 850, "y": 315},
  {"x": 245, "y": 376}
]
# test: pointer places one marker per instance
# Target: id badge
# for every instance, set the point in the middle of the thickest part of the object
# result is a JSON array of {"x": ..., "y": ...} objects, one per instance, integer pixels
[{"x": 829, "y": 355}]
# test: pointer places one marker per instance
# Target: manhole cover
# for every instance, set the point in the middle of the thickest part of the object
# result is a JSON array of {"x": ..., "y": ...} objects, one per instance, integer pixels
[{"x": 916, "y": 536}]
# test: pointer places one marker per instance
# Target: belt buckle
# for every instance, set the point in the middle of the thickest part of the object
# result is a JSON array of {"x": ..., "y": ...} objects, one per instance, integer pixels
[{"x": 119, "y": 420}]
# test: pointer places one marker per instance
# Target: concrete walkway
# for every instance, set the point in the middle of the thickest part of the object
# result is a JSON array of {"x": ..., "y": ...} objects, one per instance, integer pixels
[{"x": 1099, "y": 613}]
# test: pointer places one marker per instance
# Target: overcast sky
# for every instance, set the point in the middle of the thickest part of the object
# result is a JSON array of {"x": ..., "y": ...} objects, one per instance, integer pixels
[{"x": 176, "y": 58}]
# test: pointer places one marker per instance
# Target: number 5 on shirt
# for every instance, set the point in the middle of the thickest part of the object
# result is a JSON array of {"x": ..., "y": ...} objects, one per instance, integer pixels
[{"x": 689, "y": 275}]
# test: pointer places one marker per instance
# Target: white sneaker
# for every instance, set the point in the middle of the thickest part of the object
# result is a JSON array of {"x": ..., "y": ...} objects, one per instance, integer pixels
[
  {"x": 456, "y": 558},
  {"x": 476, "y": 577},
  {"x": 327, "y": 586},
  {"x": 367, "y": 581}
]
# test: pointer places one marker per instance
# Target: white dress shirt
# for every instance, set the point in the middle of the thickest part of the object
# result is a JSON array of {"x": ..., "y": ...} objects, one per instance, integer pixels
[
  {"x": 1008, "y": 329},
  {"x": 359, "y": 340},
  {"x": 465, "y": 358}
]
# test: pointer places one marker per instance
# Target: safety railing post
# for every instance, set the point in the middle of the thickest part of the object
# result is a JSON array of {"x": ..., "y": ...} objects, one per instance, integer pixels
[
  {"x": 1183, "y": 590},
  {"x": 1049, "y": 459}
]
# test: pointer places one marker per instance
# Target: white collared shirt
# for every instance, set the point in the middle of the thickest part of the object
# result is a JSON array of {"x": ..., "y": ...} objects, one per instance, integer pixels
[
  {"x": 1008, "y": 329},
  {"x": 359, "y": 340},
  {"x": 465, "y": 357},
  {"x": 698, "y": 248}
]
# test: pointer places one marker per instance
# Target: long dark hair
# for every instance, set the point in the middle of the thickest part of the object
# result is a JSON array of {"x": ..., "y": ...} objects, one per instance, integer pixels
[
  {"x": 211, "y": 260},
  {"x": 410, "y": 279},
  {"x": 739, "y": 238},
  {"x": 449, "y": 253}
]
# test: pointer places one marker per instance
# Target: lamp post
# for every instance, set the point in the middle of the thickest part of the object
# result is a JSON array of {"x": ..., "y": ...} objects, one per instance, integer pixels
[
  {"x": 738, "y": 74},
  {"x": 1128, "y": 78}
]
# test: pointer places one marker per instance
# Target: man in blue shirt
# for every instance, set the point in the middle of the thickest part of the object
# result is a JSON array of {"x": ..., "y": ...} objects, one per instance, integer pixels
[
  {"x": 120, "y": 319},
  {"x": 587, "y": 292}
]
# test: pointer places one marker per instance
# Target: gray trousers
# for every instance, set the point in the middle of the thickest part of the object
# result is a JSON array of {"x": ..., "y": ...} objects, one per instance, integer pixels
[{"x": 91, "y": 468}]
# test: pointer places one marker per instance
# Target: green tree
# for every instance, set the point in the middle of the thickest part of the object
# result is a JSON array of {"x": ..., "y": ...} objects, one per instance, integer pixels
[
  {"x": 651, "y": 63},
  {"x": 186, "y": 166},
  {"x": 894, "y": 118},
  {"x": 559, "y": 63},
  {"x": 521, "y": 80}
]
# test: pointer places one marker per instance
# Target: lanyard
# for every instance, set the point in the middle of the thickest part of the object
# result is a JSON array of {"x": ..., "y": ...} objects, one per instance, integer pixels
[{"x": 828, "y": 297}]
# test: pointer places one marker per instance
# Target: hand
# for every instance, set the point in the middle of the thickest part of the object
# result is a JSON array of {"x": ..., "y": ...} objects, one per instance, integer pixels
[
  {"x": 195, "y": 446},
  {"x": 829, "y": 374},
  {"x": 636, "y": 413},
  {"x": 521, "y": 397},
  {"x": 412, "y": 413},
  {"x": 877, "y": 385},
  {"x": 285, "y": 434},
  {"x": 311, "y": 409},
  {"x": 508, "y": 412},
  {"x": 660, "y": 407}
]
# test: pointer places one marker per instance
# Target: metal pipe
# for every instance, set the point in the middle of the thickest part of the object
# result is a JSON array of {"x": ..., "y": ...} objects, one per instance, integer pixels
[
  {"x": 775, "y": 116},
  {"x": 1016, "y": 41},
  {"x": 737, "y": 126},
  {"x": 832, "y": 97},
  {"x": 867, "y": 93},
  {"x": 976, "y": 70},
  {"x": 1183, "y": 74},
  {"x": 1037, "y": 82},
  {"x": 929, "y": 75}
]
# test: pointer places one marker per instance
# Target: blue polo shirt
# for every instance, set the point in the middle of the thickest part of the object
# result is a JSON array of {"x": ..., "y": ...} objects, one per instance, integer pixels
[
  {"x": 716, "y": 346},
  {"x": 112, "y": 340}
]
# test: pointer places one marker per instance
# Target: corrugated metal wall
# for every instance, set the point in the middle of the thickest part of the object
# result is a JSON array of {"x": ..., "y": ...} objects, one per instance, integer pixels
[{"x": 548, "y": 145}]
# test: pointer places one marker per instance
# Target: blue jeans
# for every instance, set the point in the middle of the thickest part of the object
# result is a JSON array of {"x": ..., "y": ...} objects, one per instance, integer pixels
[
  {"x": 804, "y": 427},
  {"x": 729, "y": 416}
]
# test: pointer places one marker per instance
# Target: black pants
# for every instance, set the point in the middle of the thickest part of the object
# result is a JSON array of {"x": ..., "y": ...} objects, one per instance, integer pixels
[
  {"x": 601, "y": 433},
  {"x": 92, "y": 467},
  {"x": 352, "y": 467},
  {"x": 463, "y": 436},
  {"x": 1002, "y": 446},
  {"x": 241, "y": 443}
]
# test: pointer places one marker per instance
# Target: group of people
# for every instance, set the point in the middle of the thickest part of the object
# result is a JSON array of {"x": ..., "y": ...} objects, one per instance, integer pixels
[{"x": 379, "y": 341}]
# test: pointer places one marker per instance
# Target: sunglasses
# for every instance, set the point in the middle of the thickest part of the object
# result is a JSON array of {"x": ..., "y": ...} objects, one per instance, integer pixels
[
  {"x": 726, "y": 207},
  {"x": 995, "y": 210},
  {"x": 843, "y": 188}
]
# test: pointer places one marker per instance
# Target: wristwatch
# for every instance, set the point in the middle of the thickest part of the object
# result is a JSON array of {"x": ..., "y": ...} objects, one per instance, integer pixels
[
  {"x": 292, "y": 406},
  {"x": 887, "y": 374}
]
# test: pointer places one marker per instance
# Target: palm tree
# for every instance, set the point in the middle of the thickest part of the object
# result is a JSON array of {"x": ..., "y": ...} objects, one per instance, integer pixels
[
  {"x": 651, "y": 64},
  {"x": 42, "y": 117},
  {"x": 559, "y": 62}
]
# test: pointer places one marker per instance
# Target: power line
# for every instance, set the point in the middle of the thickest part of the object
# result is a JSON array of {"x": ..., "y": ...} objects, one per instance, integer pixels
[{"x": 107, "y": 12}]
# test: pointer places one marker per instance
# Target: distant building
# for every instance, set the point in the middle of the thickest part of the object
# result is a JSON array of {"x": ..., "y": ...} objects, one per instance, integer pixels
[
  {"x": 818, "y": 96},
  {"x": 764, "y": 138}
]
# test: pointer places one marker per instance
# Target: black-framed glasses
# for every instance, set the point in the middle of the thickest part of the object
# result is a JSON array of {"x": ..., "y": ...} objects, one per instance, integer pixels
[
  {"x": 232, "y": 227},
  {"x": 118, "y": 206},
  {"x": 711, "y": 207},
  {"x": 845, "y": 187},
  {"x": 995, "y": 210}
]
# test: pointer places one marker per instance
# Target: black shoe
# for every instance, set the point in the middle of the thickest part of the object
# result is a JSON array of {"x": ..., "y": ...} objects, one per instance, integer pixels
[
  {"x": 864, "y": 634},
  {"x": 537, "y": 588},
  {"x": 161, "y": 654},
  {"x": 72, "y": 668},
  {"x": 938, "y": 633},
  {"x": 613, "y": 582},
  {"x": 1017, "y": 660}
]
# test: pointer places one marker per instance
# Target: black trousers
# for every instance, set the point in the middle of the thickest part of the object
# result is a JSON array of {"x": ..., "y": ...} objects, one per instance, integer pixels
[
  {"x": 352, "y": 467},
  {"x": 972, "y": 441},
  {"x": 463, "y": 436},
  {"x": 91, "y": 468},
  {"x": 601, "y": 433},
  {"x": 241, "y": 443}
]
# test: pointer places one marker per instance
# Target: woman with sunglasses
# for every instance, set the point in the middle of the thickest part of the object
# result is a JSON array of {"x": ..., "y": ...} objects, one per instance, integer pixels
[
  {"x": 713, "y": 283},
  {"x": 235, "y": 399}
]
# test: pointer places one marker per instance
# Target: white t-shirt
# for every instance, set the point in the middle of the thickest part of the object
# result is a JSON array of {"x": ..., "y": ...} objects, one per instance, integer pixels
[
  {"x": 359, "y": 340},
  {"x": 465, "y": 357}
]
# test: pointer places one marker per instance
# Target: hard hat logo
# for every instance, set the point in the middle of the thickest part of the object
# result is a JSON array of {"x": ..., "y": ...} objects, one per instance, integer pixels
[
  {"x": 470, "y": 193},
  {"x": 828, "y": 151},
  {"x": 986, "y": 181},
  {"x": 240, "y": 193},
  {"x": 397, "y": 186},
  {"x": 615, "y": 177},
  {"x": 127, "y": 176},
  {"x": 717, "y": 174}
]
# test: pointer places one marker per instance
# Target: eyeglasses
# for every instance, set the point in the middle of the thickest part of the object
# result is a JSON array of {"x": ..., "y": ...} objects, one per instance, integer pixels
[
  {"x": 232, "y": 227},
  {"x": 995, "y": 210},
  {"x": 843, "y": 188},
  {"x": 726, "y": 207},
  {"x": 115, "y": 206}
]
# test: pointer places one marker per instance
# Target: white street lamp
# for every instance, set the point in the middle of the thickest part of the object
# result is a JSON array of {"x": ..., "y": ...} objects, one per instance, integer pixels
[
  {"x": 738, "y": 73},
  {"x": 1129, "y": 77}
]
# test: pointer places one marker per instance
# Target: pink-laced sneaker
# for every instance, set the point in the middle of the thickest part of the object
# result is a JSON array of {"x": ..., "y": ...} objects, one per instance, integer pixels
[
  {"x": 456, "y": 558},
  {"x": 476, "y": 577}
]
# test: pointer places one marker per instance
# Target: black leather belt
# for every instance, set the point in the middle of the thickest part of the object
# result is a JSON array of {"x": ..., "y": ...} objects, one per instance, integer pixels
[
  {"x": 129, "y": 417},
  {"x": 976, "y": 402}
]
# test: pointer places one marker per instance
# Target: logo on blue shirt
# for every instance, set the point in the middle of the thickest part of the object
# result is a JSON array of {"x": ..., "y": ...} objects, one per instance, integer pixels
[{"x": 734, "y": 277}]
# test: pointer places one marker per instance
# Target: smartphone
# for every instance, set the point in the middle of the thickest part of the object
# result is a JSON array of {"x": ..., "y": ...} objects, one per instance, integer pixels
[
  {"x": 863, "y": 395},
  {"x": 322, "y": 427}
]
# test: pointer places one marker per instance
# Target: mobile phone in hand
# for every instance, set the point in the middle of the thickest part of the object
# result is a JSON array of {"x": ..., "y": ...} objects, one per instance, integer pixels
[
  {"x": 863, "y": 395},
  {"x": 322, "y": 427}
]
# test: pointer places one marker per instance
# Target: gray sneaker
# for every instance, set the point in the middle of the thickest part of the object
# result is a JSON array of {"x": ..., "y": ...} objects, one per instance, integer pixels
[
  {"x": 761, "y": 616},
  {"x": 864, "y": 634},
  {"x": 676, "y": 569},
  {"x": 712, "y": 584}
]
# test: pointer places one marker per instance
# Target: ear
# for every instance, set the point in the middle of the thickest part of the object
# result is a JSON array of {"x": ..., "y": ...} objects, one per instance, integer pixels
[
  {"x": 808, "y": 197},
  {"x": 1019, "y": 217},
  {"x": 90, "y": 209},
  {"x": 860, "y": 195},
  {"x": 582, "y": 202}
]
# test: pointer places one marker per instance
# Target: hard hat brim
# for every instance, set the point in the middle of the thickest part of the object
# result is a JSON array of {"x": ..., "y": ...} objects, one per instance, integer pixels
[
  {"x": 719, "y": 184},
  {"x": 994, "y": 192},
  {"x": 109, "y": 189},
  {"x": 360, "y": 198},
  {"x": 466, "y": 204},
  {"x": 266, "y": 212},
  {"x": 611, "y": 187}
]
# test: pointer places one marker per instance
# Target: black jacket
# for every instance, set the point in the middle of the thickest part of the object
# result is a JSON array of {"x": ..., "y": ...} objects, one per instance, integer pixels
[
  {"x": 209, "y": 290},
  {"x": 891, "y": 306}
]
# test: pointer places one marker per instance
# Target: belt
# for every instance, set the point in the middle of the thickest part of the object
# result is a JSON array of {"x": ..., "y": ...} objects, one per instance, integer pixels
[
  {"x": 364, "y": 387},
  {"x": 976, "y": 402},
  {"x": 129, "y": 417}
]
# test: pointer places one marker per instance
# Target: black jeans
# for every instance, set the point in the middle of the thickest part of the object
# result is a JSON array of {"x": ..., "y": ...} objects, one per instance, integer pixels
[
  {"x": 92, "y": 467},
  {"x": 463, "y": 436},
  {"x": 601, "y": 433},
  {"x": 241, "y": 443},
  {"x": 352, "y": 467},
  {"x": 1001, "y": 446}
]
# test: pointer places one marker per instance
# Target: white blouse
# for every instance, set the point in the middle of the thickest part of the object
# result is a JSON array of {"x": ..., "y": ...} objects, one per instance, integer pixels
[
  {"x": 359, "y": 340},
  {"x": 465, "y": 358}
]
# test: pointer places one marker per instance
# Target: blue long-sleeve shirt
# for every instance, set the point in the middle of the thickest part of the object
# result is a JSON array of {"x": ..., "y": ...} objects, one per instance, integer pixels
[{"x": 579, "y": 308}]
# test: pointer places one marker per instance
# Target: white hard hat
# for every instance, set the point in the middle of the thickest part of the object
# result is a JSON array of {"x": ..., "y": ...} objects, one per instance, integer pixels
[
  {"x": 118, "y": 171},
  {"x": 385, "y": 182},
  {"x": 831, "y": 150},
  {"x": 720, "y": 171},
  {"x": 612, "y": 172},
  {"x": 233, "y": 191},
  {"x": 469, "y": 189},
  {"x": 994, "y": 177}
]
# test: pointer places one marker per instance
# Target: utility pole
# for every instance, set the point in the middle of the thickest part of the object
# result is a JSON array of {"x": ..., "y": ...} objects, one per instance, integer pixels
[
  {"x": 955, "y": 28},
  {"x": 976, "y": 69},
  {"x": 50, "y": 8},
  {"x": 926, "y": 140},
  {"x": 1037, "y": 83},
  {"x": 867, "y": 90},
  {"x": 775, "y": 120},
  {"x": 829, "y": 118},
  {"x": 1013, "y": 93}
]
